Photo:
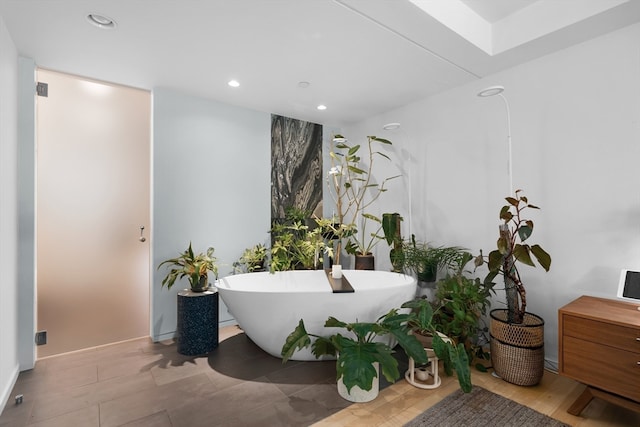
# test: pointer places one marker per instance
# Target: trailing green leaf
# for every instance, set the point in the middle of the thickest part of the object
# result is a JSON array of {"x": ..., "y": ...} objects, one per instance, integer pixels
[
  {"x": 332, "y": 322},
  {"x": 323, "y": 346},
  {"x": 480, "y": 367},
  {"x": 297, "y": 340},
  {"x": 460, "y": 361}
]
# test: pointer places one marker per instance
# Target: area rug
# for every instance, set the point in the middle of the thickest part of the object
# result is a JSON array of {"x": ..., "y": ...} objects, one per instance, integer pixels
[{"x": 481, "y": 408}]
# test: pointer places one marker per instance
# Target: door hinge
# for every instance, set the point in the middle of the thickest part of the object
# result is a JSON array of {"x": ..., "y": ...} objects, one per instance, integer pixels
[{"x": 42, "y": 89}]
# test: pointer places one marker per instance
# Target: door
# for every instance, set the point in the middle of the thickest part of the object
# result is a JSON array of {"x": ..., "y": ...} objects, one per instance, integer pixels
[{"x": 93, "y": 180}]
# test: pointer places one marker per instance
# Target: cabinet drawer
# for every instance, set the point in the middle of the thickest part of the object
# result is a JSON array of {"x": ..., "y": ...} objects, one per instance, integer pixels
[
  {"x": 604, "y": 367},
  {"x": 622, "y": 337}
]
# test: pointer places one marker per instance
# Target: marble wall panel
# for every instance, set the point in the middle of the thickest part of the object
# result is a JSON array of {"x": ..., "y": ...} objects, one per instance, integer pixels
[{"x": 296, "y": 166}]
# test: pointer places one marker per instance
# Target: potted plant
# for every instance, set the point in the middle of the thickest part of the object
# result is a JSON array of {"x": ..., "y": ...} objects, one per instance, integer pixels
[
  {"x": 362, "y": 243},
  {"x": 517, "y": 336},
  {"x": 193, "y": 266},
  {"x": 454, "y": 356},
  {"x": 334, "y": 232},
  {"x": 252, "y": 259},
  {"x": 197, "y": 321},
  {"x": 296, "y": 243},
  {"x": 424, "y": 260},
  {"x": 460, "y": 302},
  {"x": 296, "y": 247},
  {"x": 353, "y": 190},
  {"x": 357, "y": 350}
]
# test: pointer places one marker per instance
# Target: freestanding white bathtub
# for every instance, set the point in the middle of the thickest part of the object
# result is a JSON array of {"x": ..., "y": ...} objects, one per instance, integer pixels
[{"x": 268, "y": 306}]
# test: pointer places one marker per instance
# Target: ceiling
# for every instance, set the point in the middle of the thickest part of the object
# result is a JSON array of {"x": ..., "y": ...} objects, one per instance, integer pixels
[
  {"x": 360, "y": 57},
  {"x": 495, "y": 10}
]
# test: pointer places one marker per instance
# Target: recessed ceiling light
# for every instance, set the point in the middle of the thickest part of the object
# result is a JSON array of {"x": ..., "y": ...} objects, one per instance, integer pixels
[
  {"x": 101, "y": 21},
  {"x": 321, "y": 107},
  {"x": 233, "y": 83},
  {"x": 491, "y": 91}
]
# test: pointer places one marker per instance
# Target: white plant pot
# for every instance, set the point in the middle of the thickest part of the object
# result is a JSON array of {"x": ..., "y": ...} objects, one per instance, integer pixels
[
  {"x": 359, "y": 395},
  {"x": 336, "y": 271}
]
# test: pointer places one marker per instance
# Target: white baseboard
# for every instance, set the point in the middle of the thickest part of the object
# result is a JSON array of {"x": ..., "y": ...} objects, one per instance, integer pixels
[
  {"x": 551, "y": 365},
  {"x": 229, "y": 322},
  {"x": 173, "y": 334},
  {"x": 164, "y": 336}
]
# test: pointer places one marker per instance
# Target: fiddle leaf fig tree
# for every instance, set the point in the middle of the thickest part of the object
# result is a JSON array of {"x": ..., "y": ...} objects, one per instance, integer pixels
[{"x": 513, "y": 247}]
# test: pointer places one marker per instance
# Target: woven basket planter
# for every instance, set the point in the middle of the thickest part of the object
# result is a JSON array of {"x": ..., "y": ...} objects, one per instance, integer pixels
[{"x": 517, "y": 350}]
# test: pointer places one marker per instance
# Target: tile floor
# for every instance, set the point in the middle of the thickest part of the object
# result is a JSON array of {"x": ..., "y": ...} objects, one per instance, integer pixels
[{"x": 140, "y": 383}]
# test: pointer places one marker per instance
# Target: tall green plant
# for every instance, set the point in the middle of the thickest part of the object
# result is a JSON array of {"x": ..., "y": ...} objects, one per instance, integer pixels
[
  {"x": 352, "y": 188},
  {"x": 513, "y": 247}
]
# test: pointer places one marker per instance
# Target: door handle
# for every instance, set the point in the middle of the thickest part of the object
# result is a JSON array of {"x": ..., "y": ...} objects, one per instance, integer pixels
[{"x": 142, "y": 238}]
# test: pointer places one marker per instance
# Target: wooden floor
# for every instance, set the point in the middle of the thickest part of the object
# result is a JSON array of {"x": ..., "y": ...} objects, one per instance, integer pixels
[
  {"x": 140, "y": 383},
  {"x": 402, "y": 402}
]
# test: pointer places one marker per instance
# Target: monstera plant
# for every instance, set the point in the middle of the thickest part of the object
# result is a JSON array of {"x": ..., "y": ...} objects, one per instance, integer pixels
[{"x": 358, "y": 347}]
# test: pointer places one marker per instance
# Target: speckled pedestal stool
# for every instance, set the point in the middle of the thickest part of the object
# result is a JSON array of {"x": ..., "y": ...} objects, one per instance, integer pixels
[{"x": 197, "y": 322}]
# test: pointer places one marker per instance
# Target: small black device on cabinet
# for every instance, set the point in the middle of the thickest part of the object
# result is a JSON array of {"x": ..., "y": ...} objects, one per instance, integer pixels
[{"x": 629, "y": 285}]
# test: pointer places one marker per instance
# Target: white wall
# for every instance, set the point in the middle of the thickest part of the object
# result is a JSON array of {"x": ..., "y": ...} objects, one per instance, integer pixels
[
  {"x": 8, "y": 215},
  {"x": 212, "y": 186},
  {"x": 576, "y": 146}
]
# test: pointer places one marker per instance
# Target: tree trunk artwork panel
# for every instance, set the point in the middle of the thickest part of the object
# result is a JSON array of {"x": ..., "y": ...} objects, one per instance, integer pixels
[{"x": 296, "y": 166}]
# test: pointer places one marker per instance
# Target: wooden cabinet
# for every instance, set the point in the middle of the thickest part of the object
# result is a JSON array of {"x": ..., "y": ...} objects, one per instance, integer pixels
[{"x": 599, "y": 345}]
